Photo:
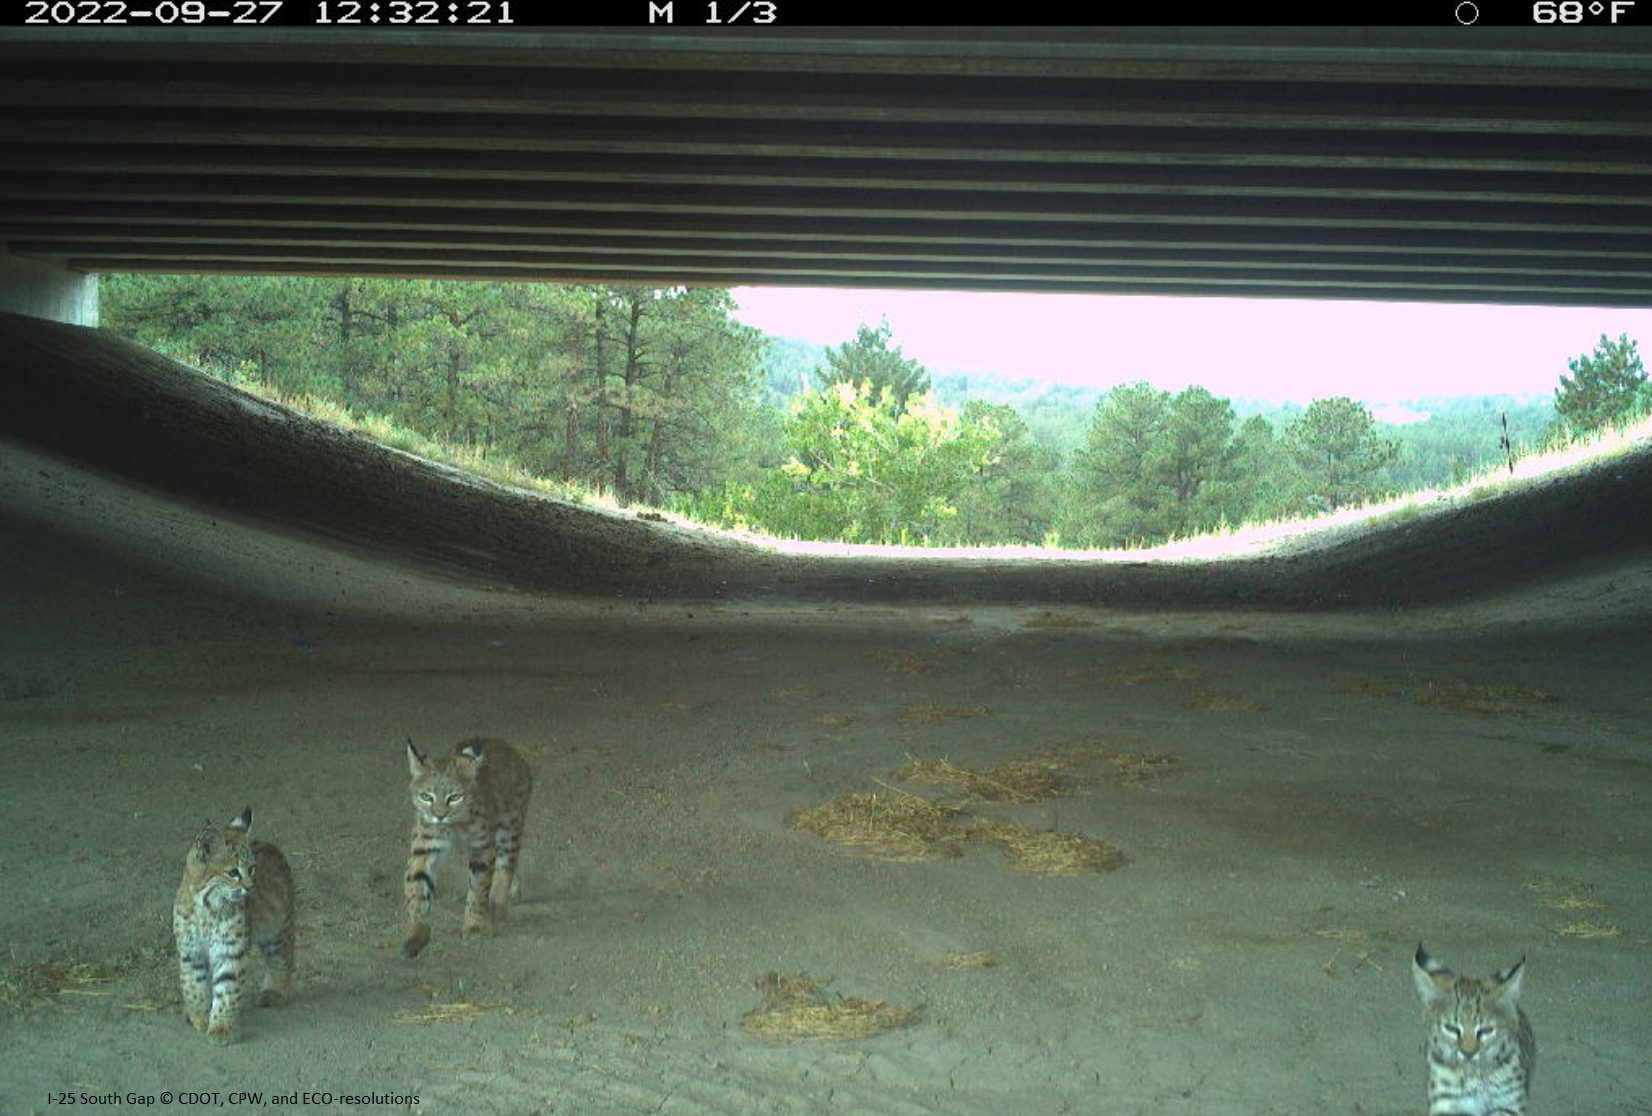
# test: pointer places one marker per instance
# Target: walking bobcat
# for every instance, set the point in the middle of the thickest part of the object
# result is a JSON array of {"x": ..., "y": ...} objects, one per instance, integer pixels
[
  {"x": 1480, "y": 1046},
  {"x": 478, "y": 794},
  {"x": 236, "y": 893}
]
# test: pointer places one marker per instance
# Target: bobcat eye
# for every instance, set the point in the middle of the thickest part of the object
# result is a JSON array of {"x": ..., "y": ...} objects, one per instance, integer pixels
[
  {"x": 455, "y": 799},
  {"x": 1452, "y": 1029},
  {"x": 234, "y": 873},
  {"x": 426, "y": 797},
  {"x": 1484, "y": 1032}
]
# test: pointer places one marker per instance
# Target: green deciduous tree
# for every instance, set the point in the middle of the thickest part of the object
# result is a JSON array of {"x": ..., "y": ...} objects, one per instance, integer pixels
[
  {"x": 861, "y": 469},
  {"x": 1605, "y": 386}
]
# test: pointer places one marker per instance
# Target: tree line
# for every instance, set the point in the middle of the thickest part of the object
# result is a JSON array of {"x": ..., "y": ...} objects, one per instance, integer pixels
[
  {"x": 635, "y": 391},
  {"x": 658, "y": 396}
]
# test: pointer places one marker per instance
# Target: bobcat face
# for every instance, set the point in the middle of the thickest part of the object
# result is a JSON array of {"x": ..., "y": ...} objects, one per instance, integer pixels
[
  {"x": 1469, "y": 1020},
  {"x": 442, "y": 789},
  {"x": 222, "y": 865},
  {"x": 1461, "y": 1041}
]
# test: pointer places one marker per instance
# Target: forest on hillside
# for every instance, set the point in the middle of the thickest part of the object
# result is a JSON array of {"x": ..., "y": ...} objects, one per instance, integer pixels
[{"x": 659, "y": 397}]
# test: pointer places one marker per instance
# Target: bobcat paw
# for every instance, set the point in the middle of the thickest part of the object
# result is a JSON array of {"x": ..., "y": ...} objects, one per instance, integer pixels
[
  {"x": 222, "y": 1034},
  {"x": 416, "y": 942},
  {"x": 196, "y": 1020},
  {"x": 478, "y": 926}
]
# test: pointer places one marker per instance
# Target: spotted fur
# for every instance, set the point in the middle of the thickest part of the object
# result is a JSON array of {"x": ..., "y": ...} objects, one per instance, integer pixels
[
  {"x": 1480, "y": 1047},
  {"x": 477, "y": 797},
  {"x": 236, "y": 894}
]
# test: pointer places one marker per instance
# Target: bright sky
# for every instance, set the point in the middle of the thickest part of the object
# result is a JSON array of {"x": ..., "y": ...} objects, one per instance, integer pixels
[{"x": 1282, "y": 350}]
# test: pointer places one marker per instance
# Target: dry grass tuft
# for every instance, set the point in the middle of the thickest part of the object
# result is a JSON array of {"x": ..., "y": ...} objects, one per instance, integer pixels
[
  {"x": 1138, "y": 767},
  {"x": 43, "y": 982},
  {"x": 1041, "y": 776},
  {"x": 460, "y": 1012},
  {"x": 1140, "y": 675},
  {"x": 1221, "y": 701},
  {"x": 911, "y": 829},
  {"x": 1589, "y": 931},
  {"x": 1572, "y": 903},
  {"x": 1356, "y": 684},
  {"x": 966, "y": 961},
  {"x": 797, "y": 1008},
  {"x": 1056, "y": 620},
  {"x": 935, "y": 714},
  {"x": 907, "y": 662},
  {"x": 902, "y": 829},
  {"x": 1493, "y": 700},
  {"x": 1010, "y": 782},
  {"x": 1045, "y": 853}
]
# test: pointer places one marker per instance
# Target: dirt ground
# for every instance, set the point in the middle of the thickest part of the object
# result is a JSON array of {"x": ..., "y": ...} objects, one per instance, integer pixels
[{"x": 1339, "y": 786}]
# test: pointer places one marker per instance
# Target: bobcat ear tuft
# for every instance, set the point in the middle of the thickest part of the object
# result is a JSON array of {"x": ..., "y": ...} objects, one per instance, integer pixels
[
  {"x": 474, "y": 752},
  {"x": 204, "y": 841},
  {"x": 242, "y": 821},
  {"x": 415, "y": 758},
  {"x": 1429, "y": 977},
  {"x": 1506, "y": 984}
]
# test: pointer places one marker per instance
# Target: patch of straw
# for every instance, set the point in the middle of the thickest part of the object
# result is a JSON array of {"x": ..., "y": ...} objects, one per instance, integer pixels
[
  {"x": 1493, "y": 700},
  {"x": 1589, "y": 931},
  {"x": 1047, "y": 854},
  {"x": 1138, "y": 767},
  {"x": 797, "y": 1008},
  {"x": 966, "y": 961},
  {"x": 1139, "y": 675},
  {"x": 1010, "y": 782},
  {"x": 1572, "y": 903},
  {"x": 935, "y": 714},
  {"x": 459, "y": 1012},
  {"x": 1215, "y": 701},
  {"x": 1056, "y": 620},
  {"x": 907, "y": 662},
  {"x": 1041, "y": 776},
  {"x": 902, "y": 829},
  {"x": 42, "y": 982}
]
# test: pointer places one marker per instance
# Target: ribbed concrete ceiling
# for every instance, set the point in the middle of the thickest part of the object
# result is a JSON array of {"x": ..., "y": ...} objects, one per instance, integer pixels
[{"x": 1479, "y": 164}]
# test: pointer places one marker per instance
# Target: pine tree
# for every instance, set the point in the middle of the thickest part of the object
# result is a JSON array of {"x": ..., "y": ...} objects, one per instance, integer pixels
[
  {"x": 869, "y": 361},
  {"x": 1335, "y": 454},
  {"x": 1605, "y": 387}
]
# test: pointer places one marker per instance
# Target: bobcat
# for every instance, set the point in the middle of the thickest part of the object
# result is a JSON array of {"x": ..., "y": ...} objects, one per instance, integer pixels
[
  {"x": 1480, "y": 1046},
  {"x": 478, "y": 793},
  {"x": 236, "y": 893}
]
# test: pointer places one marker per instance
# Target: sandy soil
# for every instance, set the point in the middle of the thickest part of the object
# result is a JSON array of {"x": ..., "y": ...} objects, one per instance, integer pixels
[
  {"x": 1475, "y": 773},
  {"x": 1249, "y": 958}
]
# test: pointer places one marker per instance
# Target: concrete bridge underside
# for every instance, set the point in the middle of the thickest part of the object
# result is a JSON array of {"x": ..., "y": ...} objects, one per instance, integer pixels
[{"x": 1492, "y": 165}]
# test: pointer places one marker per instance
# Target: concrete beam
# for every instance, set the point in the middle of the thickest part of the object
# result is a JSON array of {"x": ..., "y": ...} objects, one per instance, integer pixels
[{"x": 44, "y": 290}]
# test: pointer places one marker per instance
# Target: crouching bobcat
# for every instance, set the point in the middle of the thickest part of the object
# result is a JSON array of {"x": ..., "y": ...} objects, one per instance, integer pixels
[
  {"x": 236, "y": 893},
  {"x": 1480, "y": 1046},
  {"x": 477, "y": 795}
]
